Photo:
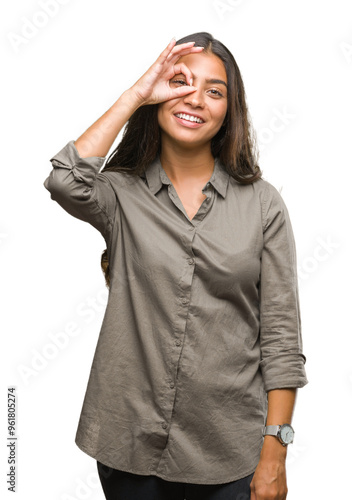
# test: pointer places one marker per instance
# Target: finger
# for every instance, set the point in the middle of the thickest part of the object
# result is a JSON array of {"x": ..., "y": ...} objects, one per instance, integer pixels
[
  {"x": 162, "y": 57},
  {"x": 174, "y": 57},
  {"x": 182, "y": 91},
  {"x": 181, "y": 68},
  {"x": 171, "y": 46},
  {"x": 181, "y": 46},
  {"x": 179, "y": 52},
  {"x": 252, "y": 488},
  {"x": 178, "y": 49}
]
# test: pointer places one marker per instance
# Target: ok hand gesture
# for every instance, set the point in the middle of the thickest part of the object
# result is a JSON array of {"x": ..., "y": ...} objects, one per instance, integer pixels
[{"x": 153, "y": 87}]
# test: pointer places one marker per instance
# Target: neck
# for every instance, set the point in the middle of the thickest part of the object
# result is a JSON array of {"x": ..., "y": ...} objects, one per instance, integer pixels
[{"x": 185, "y": 164}]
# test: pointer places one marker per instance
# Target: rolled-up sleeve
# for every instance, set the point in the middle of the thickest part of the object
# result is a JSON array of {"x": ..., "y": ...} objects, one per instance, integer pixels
[
  {"x": 84, "y": 192},
  {"x": 282, "y": 360}
]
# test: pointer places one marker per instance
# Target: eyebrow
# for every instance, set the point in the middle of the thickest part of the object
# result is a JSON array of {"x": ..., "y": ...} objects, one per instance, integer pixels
[{"x": 215, "y": 80}]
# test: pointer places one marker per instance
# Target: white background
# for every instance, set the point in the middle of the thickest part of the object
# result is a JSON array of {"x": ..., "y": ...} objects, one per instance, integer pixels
[{"x": 295, "y": 58}]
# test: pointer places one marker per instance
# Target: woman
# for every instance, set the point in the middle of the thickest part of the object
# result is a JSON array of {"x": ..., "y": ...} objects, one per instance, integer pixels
[{"x": 200, "y": 345}]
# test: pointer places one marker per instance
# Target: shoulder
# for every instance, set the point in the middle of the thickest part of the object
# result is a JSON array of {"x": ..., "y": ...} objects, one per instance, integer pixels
[
  {"x": 267, "y": 191},
  {"x": 261, "y": 188},
  {"x": 265, "y": 188},
  {"x": 272, "y": 203},
  {"x": 266, "y": 195}
]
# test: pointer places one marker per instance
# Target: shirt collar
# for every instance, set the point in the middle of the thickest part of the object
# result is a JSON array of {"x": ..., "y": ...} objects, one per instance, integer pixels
[{"x": 156, "y": 176}]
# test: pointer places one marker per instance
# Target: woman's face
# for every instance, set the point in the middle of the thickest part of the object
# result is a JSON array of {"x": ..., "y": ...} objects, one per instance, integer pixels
[{"x": 178, "y": 117}]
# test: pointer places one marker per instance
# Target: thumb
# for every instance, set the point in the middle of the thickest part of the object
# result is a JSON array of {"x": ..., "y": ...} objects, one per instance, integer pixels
[
  {"x": 182, "y": 91},
  {"x": 253, "y": 495}
]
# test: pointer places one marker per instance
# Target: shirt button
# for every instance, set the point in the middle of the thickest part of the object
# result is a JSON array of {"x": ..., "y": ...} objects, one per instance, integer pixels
[
  {"x": 178, "y": 342},
  {"x": 190, "y": 261},
  {"x": 164, "y": 425},
  {"x": 190, "y": 228},
  {"x": 184, "y": 301},
  {"x": 172, "y": 386}
]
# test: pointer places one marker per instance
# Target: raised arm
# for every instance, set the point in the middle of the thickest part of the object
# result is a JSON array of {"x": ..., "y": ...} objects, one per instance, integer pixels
[
  {"x": 75, "y": 181},
  {"x": 152, "y": 88}
]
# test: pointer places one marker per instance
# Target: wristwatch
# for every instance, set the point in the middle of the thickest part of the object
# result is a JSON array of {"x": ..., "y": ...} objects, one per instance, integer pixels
[{"x": 284, "y": 433}]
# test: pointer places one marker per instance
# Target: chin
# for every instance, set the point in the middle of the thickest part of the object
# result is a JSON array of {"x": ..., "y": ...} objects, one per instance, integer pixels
[{"x": 188, "y": 142}]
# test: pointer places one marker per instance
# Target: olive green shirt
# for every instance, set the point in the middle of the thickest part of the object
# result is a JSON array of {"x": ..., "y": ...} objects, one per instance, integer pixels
[{"x": 202, "y": 319}]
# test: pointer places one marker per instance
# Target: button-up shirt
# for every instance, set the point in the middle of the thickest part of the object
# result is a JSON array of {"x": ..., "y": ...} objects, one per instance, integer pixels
[{"x": 202, "y": 319}]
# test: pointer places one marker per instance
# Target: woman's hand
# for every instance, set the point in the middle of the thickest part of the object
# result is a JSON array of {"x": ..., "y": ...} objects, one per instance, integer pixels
[
  {"x": 153, "y": 87},
  {"x": 269, "y": 480}
]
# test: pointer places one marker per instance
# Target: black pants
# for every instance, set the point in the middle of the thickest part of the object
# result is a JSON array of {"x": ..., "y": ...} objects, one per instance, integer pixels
[{"x": 120, "y": 485}]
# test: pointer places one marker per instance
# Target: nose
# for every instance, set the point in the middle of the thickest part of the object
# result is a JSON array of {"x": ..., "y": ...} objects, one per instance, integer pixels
[{"x": 195, "y": 99}]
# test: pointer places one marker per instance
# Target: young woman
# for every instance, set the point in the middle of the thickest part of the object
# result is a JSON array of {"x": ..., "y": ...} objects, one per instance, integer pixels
[{"x": 193, "y": 381}]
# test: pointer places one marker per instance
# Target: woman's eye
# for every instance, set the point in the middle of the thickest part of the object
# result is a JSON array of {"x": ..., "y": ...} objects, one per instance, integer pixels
[
  {"x": 182, "y": 82},
  {"x": 216, "y": 92}
]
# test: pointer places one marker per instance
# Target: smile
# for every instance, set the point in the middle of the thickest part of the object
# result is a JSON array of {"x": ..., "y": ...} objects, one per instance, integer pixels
[{"x": 190, "y": 118}]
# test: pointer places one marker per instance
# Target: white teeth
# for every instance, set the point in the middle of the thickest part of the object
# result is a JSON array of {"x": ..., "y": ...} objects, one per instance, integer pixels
[{"x": 190, "y": 118}]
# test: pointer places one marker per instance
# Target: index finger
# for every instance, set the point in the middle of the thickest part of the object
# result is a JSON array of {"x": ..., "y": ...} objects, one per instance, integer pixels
[
  {"x": 181, "y": 68},
  {"x": 171, "y": 45},
  {"x": 179, "y": 51}
]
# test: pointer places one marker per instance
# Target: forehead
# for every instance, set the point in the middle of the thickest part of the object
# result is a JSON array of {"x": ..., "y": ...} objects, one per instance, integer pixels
[{"x": 205, "y": 65}]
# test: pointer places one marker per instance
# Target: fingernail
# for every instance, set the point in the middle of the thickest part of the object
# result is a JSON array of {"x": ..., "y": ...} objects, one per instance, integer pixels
[{"x": 173, "y": 38}]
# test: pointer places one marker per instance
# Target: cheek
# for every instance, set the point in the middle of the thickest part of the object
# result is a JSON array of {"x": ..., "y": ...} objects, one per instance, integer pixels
[
  {"x": 218, "y": 111},
  {"x": 163, "y": 114},
  {"x": 219, "y": 116},
  {"x": 222, "y": 112}
]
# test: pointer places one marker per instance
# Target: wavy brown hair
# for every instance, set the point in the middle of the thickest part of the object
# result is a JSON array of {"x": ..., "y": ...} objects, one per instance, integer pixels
[{"x": 234, "y": 144}]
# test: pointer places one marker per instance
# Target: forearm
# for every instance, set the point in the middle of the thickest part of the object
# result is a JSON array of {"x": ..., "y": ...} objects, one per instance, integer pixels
[
  {"x": 153, "y": 87},
  {"x": 269, "y": 480},
  {"x": 99, "y": 137},
  {"x": 280, "y": 411}
]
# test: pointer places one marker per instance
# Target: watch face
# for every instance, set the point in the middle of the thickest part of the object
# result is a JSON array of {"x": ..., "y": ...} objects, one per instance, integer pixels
[{"x": 286, "y": 433}]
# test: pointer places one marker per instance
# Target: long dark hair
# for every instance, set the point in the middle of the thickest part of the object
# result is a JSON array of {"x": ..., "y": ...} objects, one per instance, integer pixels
[{"x": 234, "y": 144}]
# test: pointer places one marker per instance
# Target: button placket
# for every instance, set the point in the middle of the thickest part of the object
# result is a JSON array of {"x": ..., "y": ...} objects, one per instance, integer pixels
[
  {"x": 205, "y": 206},
  {"x": 184, "y": 301},
  {"x": 176, "y": 200}
]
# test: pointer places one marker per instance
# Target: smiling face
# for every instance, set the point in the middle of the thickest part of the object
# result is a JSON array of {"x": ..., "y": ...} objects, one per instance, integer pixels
[{"x": 193, "y": 120}]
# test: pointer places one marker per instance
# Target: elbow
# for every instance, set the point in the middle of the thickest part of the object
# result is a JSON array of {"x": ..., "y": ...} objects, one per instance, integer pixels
[
  {"x": 54, "y": 186},
  {"x": 60, "y": 182}
]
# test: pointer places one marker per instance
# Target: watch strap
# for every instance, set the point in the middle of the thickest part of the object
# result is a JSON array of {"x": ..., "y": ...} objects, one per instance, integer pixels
[{"x": 271, "y": 430}]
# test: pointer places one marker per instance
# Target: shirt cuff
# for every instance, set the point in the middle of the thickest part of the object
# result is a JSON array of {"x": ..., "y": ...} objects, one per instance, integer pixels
[
  {"x": 284, "y": 370},
  {"x": 83, "y": 169}
]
